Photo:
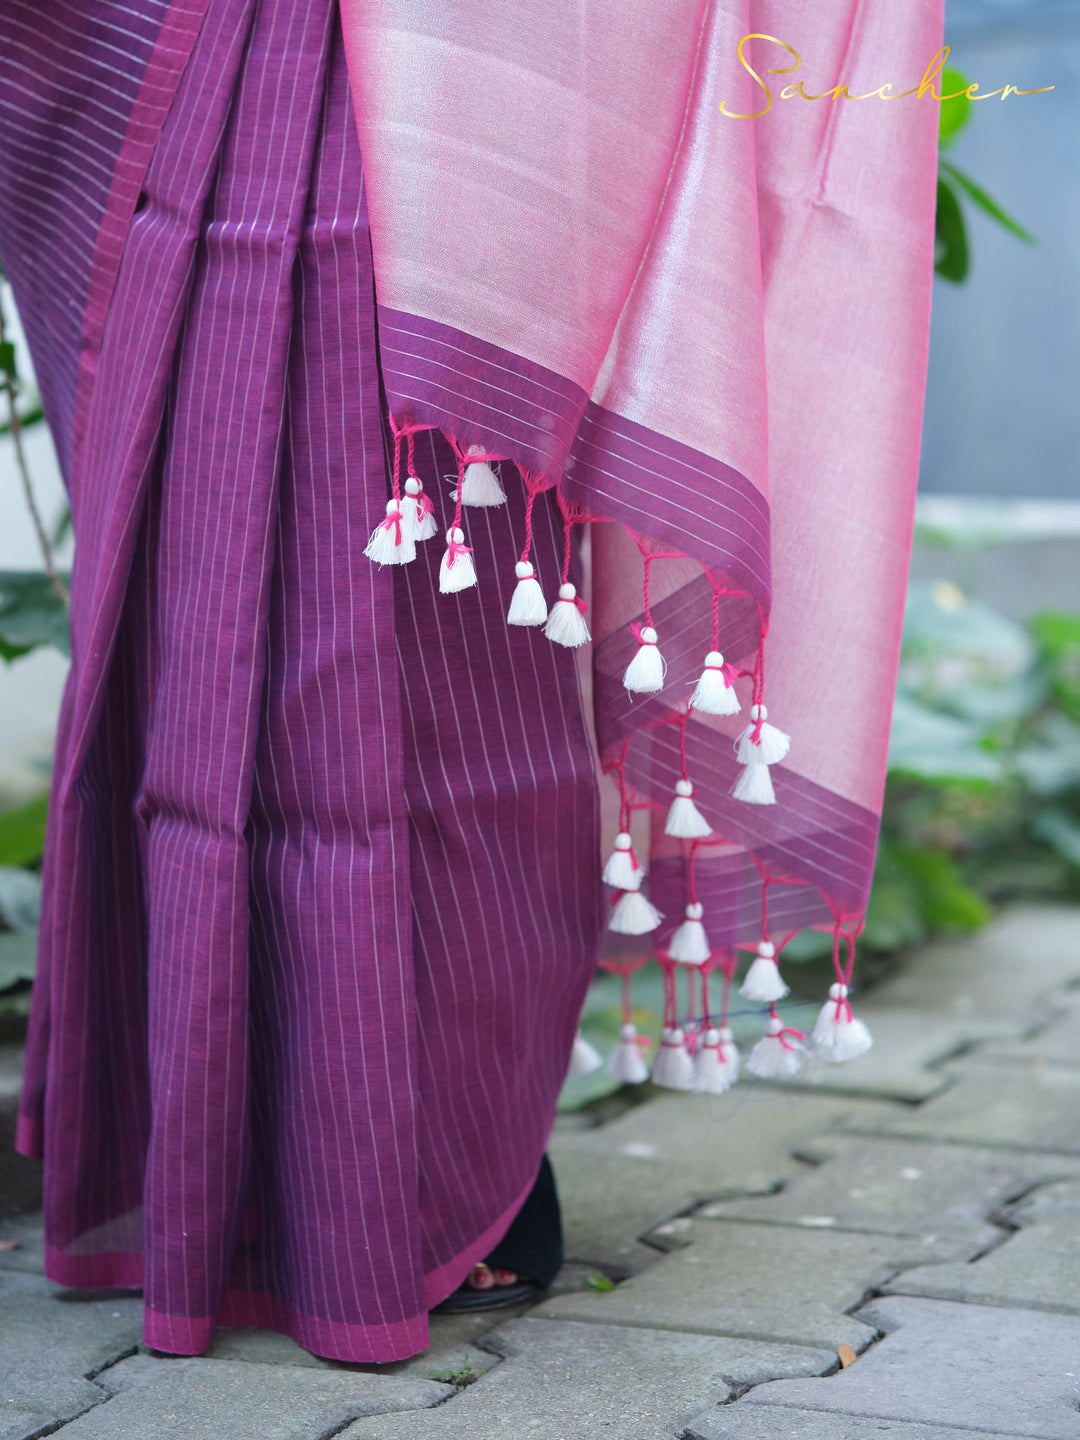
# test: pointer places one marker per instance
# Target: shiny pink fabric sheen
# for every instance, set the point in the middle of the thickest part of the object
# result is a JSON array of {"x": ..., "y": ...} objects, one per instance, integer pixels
[{"x": 559, "y": 181}]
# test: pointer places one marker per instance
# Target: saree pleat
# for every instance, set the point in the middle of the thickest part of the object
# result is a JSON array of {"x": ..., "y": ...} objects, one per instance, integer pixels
[{"x": 334, "y": 847}]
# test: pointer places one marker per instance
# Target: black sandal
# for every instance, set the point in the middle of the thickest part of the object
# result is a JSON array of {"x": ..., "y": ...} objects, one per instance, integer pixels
[{"x": 468, "y": 1298}]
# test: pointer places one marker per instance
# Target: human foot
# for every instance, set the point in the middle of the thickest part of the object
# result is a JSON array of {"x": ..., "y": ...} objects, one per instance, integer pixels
[
  {"x": 483, "y": 1277},
  {"x": 488, "y": 1288}
]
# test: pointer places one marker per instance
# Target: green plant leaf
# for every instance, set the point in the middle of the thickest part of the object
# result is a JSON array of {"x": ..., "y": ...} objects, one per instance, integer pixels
[
  {"x": 31, "y": 614},
  {"x": 596, "y": 1280},
  {"x": 22, "y": 833},
  {"x": 893, "y": 917},
  {"x": 62, "y": 529},
  {"x": 987, "y": 203},
  {"x": 945, "y": 901},
  {"x": 1058, "y": 635},
  {"x": 33, "y": 416},
  {"x": 930, "y": 746},
  {"x": 956, "y": 112},
  {"x": 7, "y": 359},
  {"x": 951, "y": 257}
]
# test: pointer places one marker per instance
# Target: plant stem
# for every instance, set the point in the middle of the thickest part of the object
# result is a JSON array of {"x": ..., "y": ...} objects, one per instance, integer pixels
[{"x": 7, "y": 384}]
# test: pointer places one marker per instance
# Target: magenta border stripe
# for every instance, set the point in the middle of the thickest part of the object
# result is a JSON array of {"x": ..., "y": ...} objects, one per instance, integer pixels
[{"x": 480, "y": 393}]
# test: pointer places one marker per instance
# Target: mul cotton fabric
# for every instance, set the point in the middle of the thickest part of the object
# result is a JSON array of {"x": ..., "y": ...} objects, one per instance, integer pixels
[{"x": 322, "y": 879}]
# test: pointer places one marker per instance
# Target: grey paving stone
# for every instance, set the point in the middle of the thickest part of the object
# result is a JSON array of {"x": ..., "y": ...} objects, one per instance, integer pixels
[
  {"x": 178, "y": 1398},
  {"x": 1037, "y": 1268},
  {"x": 903, "y": 1187},
  {"x": 1034, "y": 1107},
  {"x": 618, "y": 1180},
  {"x": 751, "y": 1422},
  {"x": 1012, "y": 1372},
  {"x": 562, "y": 1381},
  {"x": 1058, "y": 1040},
  {"x": 766, "y": 1282},
  {"x": 1004, "y": 971},
  {"x": 24, "y": 1232},
  {"x": 50, "y": 1340}
]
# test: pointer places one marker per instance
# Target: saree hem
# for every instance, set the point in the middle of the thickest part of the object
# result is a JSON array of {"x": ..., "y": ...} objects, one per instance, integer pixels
[{"x": 333, "y": 1340}]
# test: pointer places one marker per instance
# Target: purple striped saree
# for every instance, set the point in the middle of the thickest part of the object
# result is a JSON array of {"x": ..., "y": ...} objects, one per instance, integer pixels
[{"x": 322, "y": 876}]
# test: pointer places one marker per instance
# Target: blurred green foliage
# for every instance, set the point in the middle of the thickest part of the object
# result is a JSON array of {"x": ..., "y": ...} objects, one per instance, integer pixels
[{"x": 952, "y": 253}]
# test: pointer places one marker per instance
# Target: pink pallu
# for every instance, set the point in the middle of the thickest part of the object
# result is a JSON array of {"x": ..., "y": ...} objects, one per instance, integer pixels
[{"x": 710, "y": 331}]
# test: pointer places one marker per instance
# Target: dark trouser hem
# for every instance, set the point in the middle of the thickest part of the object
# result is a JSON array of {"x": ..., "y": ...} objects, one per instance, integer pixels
[{"x": 533, "y": 1245}]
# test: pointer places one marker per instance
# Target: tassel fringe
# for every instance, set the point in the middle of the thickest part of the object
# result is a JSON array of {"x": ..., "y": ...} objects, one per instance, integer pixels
[
  {"x": 685, "y": 821},
  {"x": 645, "y": 673},
  {"x": 714, "y": 693},
  {"x": 838, "y": 1036},
  {"x": 527, "y": 604},
  {"x": 480, "y": 485},
  {"x": 673, "y": 1068},
  {"x": 566, "y": 624},
  {"x": 716, "y": 1067},
  {"x": 626, "y": 1062},
  {"x": 584, "y": 1057},
  {"x": 392, "y": 541},
  {"x": 622, "y": 871},
  {"x": 633, "y": 914},
  {"x": 690, "y": 943},
  {"x": 456, "y": 571},
  {"x": 775, "y": 1057},
  {"x": 763, "y": 982}
]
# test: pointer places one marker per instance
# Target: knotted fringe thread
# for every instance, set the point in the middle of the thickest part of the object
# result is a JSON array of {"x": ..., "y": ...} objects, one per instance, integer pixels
[
  {"x": 626, "y": 1062},
  {"x": 673, "y": 1068},
  {"x": 838, "y": 1036},
  {"x": 775, "y": 1056},
  {"x": 763, "y": 982},
  {"x": 706, "y": 1058},
  {"x": 717, "y": 1064}
]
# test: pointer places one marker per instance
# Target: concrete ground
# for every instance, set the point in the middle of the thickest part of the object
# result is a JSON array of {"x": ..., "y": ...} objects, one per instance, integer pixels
[{"x": 891, "y": 1247}]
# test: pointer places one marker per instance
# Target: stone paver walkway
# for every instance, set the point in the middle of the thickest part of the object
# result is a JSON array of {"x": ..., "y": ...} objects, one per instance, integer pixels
[{"x": 915, "y": 1215}]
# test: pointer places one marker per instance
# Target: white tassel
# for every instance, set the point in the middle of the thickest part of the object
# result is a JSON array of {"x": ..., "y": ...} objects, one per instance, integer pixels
[
  {"x": 633, "y": 914},
  {"x": 690, "y": 943},
  {"x": 773, "y": 1057},
  {"x": 714, "y": 694},
  {"x": 626, "y": 1062},
  {"x": 391, "y": 542},
  {"x": 417, "y": 511},
  {"x": 731, "y": 1053},
  {"x": 838, "y": 1036},
  {"x": 456, "y": 571},
  {"x": 566, "y": 624},
  {"x": 527, "y": 604},
  {"x": 763, "y": 982},
  {"x": 754, "y": 785},
  {"x": 645, "y": 673},
  {"x": 480, "y": 485},
  {"x": 770, "y": 747},
  {"x": 673, "y": 1068},
  {"x": 620, "y": 870},
  {"x": 716, "y": 1067},
  {"x": 584, "y": 1057},
  {"x": 685, "y": 821}
]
